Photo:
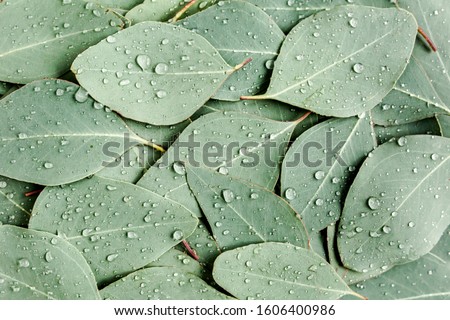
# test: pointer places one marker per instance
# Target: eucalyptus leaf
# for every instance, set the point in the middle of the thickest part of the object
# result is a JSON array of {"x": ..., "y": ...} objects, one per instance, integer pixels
[
  {"x": 15, "y": 206},
  {"x": 161, "y": 284},
  {"x": 382, "y": 223},
  {"x": 426, "y": 126},
  {"x": 288, "y": 13},
  {"x": 363, "y": 51},
  {"x": 444, "y": 125},
  {"x": 164, "y": 10},
  {"x": 152, "y": 72},
  {"x": 58, "y": 134},
  {"x": 41, "y": 266},
  {"x": 36, "y": 48},
  {"x": 221, "y": 25},
  {"x": 177, "y": 259},
  {"x": 130, "y": 225},
  {"x": 277, "y": 271},
  {"x": 245, "y": 146},
  {"x": 240, "y": 213},
  {"x": 121, "y": 4},
  {"x": 424, "y": 279},
  {"x": 318, "y": 243},
  {"x": 319, "y": 166}
]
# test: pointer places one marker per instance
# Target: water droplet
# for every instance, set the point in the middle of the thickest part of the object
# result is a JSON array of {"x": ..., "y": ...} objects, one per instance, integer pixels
[
  {"x": 434, "y": 157},
  {"x": 373, "y": 203},
  {"x": 124, "y": 82},
  {"x": 3, "y": 184},
  {"x": 177, "y": 235},
  {"x": 319, "y": 202},
  {"x": 48, "y": 256},
  {"x": 358, "y": 68},
  {"x": 111, "y": 39},
  {"x": 22, "y": 135},
  {"x": 161, "y": 94},
  {"x": 161, "y": 68},
  {"x": 23, "y": 263},
  {"x": 359, "y": 229},
  {"x": 254, "y": 196},
  {"x": 111, "y": 188},
  {"x": 223, "y": 170},
  {"x": 179, "y": 167},
  {"x": 59, "y": 92},
  {"x": 319, "y": 175},
  {"x": 48, "y": 165},
  {"x": 248, "y": 264},
  {"x": 227, "y": 195},
  {"x": 290, "y": 194},
  {"x": 269, "y": 64},
  {"x": 81, "y": 95},
  {"x": 411, "y": 224},
  {"x": 143, "y": 61},
  {"x": 386, "y": 229},
  {"x": 112, "y": 257},
  {"x": 402, "y": 141},
  {"x": 353, "y": 22},
  {"x": 132, "y": 235},
  {"x": 374, "y": 234}
]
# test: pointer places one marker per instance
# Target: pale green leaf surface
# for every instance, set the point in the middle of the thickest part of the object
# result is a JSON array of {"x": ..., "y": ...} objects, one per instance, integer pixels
[
  {"x": 152, "y": 72},
  {"x": 121, "y": 4},
  {"x": 34, "y": 47},
  {"x": 222, "y": 26},
  {"x": 426, "y": 126},
  {"x": 318, "y": 244},
  {"x": 363, "y": 51},
  {"x": 444, "y": 125},
  {"x": 383, "y": 221},
  {"x": 118, "y": 227},
  {"x": 57, "y": 133},
  {"x": 177, "y": 259},
  {"x": 277, "y": 271},
  {"x": 41, "y": 266},
  {"x": 161, "y": 284},
  {"x": 319, "y": 165},
  {"x": 240, "y": 213}
]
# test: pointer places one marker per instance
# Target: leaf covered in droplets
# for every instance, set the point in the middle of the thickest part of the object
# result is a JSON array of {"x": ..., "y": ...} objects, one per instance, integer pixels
[
  {"x": 246, "y": 146},
  {"x": 222, "y": 25},
  {"x": 118, "y": 227},
  {"x": 383, "y": 221},
  {"x": 444, "y": 125},
  {"x": 320, "y": 165},
  {"x": 52, "y": 132},
  {"x": 163, "y": 283},
  {"x": 426, "y": 126},
  {"x": 152, "y": 72},
  {"x": 41, "y": 266},
  {"x": 40, "y": 39},
  {"x": 343, "y": 61},
  {"x": 240, "y": 213},
  {"x": 277, "y": 271},
  {"x": 175, "y": 258}
]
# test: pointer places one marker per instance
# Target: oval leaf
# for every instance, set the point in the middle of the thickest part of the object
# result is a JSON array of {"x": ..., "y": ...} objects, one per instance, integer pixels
[
  {"x": 55, "y": 144},
  {"x": 240, "y": 213},
  {"x": 35, "y": 48},
  {"x": 152, "y": 72},
  {"x": 38, "y": 265},
  {"x": 382, "y": 223},
  {"x": 131, "y": 225},
  {"x": 319, "y": 165},
  {"x": 222, "y": 26},
  {"x": 277, "y": 271},
  {"x": 161, "y": 284},
  {"x": 363, "y": 51}
]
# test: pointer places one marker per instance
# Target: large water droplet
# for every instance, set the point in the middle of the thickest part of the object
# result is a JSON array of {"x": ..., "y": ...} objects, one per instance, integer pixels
[
  {"x": 81, "y": 95},
  {"x": 177, "y": 235},
  {"x": 373, "y": 203},
  {"x": 290, "y": 194},
  {"x": 227, "y": 195},
  {"x": 161, "y": 68},
  {"x": 143, "y": 61},
  {"x": 179, "y": 167},
  {"x": 358, "y": 68}
]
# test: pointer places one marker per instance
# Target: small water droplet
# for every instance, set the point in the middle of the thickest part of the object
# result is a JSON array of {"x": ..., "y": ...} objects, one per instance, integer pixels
[
  {"x": 48, "y": 256},
  {"x": 290, "y": 194},
  {"x": 319, "y": 175},
  {"x": 402, "y": 141},
  {"x": 3, "y": 184},
  {"x": 23, "y": 263},
  {"x": 177, "y": 235},
  {"x": 111, "y": 39},
  {"x": 161, "y": 94},
  {"x": 411, "y": 224},
  {"x": 386, "y": 229},
  {"x": 223, "y": 170},
  {"x": 373, "y": 203},
  {"x": 48, "y": 165},
  {"x": 179, "y": 167},
  {"x": 112, "y": 257},
  {"x": 227, "y": 195},
  {"x": 353, "y": 22},
  {"x": 143, "y": 61},
  {"x": 81, "y": 95},
  {"x": 161, "y": 68},
  {"x": 358, "y": 68}
]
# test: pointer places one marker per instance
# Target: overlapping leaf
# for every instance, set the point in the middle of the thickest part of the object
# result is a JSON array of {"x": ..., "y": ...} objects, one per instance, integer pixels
[
  {"x": 426, "y": 126},
  {"x": 318, "y": 167},
  {"x": 121, "y": 4},
  {"x": 343, "y": 61},
  {"x": 117, "y": 226},
  {"x": 52, "y": 132},
  {"x": 41, "y": 266},
  {"x": 444, "y": 125},
  {"x": 222, "y": 26},
  {"x": 240, "y": 213},
  {"x": 161, "y": 284},
  {"x": 152, "y": 72},
  {"x": 34, "y": 47},
  {"x": 272, "y": 271},
  {"x": 383, "y": 221},
  {"x": 178, "y": 259}
]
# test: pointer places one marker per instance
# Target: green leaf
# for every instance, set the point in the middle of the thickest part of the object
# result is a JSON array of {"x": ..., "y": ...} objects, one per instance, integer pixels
[
  {"x": 319, "y": 165},
  {"x": 161, "y": 284},
  {"x": 240, "y": 213},
  {"x": 149, "y": 83},
  {"x": 222, "y": 26},
  {"x": 444, "y": 125},
  {"x": 424, "y": 279},
  {"x": 117, "y": 226},
  {"x": 34, "y": 48},
  {"x": 245, "y": 146},
  {"x": 426, "y": 126},
  {"x": 288, "y": 13},
  {"x": 4, "y": 87},
  {"x": 348, "y": 275},
  {"x": 177, "y": 259},
  {"x": 55, "y": 144},
  {"x": 277, "y": 271},
  {"x": 121, "y": 4},
  {"x": 41, "y": 266},
  {"x": 382, "y": 223},
  {"x": 15, "y": 206},
  {"x": 164, "y": 10},
  {"x": 318, "y": 244},
  {"x": 363, "y": 51}
]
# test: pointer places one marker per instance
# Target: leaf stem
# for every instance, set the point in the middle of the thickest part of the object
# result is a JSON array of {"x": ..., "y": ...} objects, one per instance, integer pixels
[
  {"x": 241, "y": 65},
  {"x": 353, "y": 293},
  {"x": 427, "y": 39},
  {"x": 183, "y": 11},
  {"x": 32, "y": 193},
  {"x": 303, "y": 117},
  {"x": 154, "y": 146},
  {"x": 190, "y": 250}
]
